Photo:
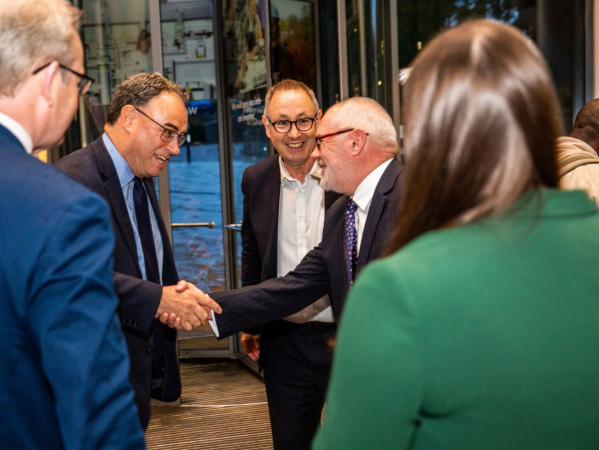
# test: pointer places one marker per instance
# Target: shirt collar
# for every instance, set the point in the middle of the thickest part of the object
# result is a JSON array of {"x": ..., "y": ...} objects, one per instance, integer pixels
[
  {"x": 315, "y": 172},
  {"x": 366, "y": 188},
  {"x": 18, "y": 130},
  {"x": 122, "y": 168}
]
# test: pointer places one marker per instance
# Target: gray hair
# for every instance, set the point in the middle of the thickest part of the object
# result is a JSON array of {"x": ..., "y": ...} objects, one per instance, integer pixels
[
  {"x": 33, "y": 33},
  {"x": 368, "y": 115}
]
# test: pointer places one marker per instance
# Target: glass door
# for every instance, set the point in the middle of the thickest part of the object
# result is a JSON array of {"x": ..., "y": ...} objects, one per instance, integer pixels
[
  {"x": 193, "y": 191},
  {"x": 217, "y": 52},
  {"x": 117, "y": 44}
]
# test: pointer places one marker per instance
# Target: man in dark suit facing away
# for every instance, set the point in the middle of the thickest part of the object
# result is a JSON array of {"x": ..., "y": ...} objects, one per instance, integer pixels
[
  {"x": 146, "y": 123},
  {"x": 63, "y": 360}
]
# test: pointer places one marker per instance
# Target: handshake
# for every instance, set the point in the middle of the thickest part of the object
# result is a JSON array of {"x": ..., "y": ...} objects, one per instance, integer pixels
[{"x": 185, "y": 307}]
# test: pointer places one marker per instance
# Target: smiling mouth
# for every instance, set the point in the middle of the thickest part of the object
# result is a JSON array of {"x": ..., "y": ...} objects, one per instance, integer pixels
[
  {"x": 162, "y": 158},
  {"x": 295, "y": 145}
]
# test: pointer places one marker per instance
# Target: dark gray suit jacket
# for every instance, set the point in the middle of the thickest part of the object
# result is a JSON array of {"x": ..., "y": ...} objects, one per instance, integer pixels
[
  {"x": 322, "y": 270},
  {"x": 92, "y": 166}
]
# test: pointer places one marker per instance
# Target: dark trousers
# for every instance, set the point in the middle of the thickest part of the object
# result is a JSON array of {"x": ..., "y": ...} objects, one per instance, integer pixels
[{"x": 297, "y": 362}]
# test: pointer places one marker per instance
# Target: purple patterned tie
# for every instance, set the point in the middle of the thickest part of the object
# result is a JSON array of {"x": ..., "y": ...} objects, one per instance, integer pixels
[{"x": 350, "y": 238}]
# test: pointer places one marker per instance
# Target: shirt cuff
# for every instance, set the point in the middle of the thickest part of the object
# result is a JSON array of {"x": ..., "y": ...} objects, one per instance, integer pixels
[{"x": 212, "y": 323}]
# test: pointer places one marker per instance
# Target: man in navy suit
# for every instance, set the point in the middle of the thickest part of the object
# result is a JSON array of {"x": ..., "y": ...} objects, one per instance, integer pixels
[
  {"x": 146, "y": 123},
  {"x": 63, "y": 360},
  {"x": 283, "y": 216}
]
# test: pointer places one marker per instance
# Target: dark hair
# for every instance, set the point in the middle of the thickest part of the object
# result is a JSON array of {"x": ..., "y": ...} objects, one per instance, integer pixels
[
  {"x": 138, "y": 90},
  {"x": 481, "y": 121}
]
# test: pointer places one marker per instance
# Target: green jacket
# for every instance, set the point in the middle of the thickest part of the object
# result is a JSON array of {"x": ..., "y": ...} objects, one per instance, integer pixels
[{"x": 484, "y": 336}]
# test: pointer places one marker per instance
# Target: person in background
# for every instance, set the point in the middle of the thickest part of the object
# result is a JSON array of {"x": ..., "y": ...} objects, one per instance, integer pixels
[
  {"x": 146, "y": 123},
  {"x": 577, "y": 154},
  {"x": 138, "y": 60},
  {"x": 63, "y": 360},
  {"x": 283, "y": 215},
  {"x": 480, "y": 328},
  {"x": 250, "y": 43}
]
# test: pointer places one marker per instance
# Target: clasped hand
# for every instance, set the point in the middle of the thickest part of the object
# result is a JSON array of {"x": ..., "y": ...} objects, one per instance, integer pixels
[{"x": 185, "y": 307}]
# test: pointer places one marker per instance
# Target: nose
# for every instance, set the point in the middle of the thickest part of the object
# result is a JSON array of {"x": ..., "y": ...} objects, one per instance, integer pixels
[
  {"x": 294, "y": 132},
  {"x": 173, "y": 147},
  {"x": 316, "y": 151}
]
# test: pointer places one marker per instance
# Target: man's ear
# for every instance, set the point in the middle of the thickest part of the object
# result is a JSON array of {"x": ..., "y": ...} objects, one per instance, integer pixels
[
  {"x": 358, "y": 138},
  {"x": 266, "y": 126},
  {"x": 50, "y": 74},
  {"x": 128, "y": 117},
  {"x": 318, "y": 117}
]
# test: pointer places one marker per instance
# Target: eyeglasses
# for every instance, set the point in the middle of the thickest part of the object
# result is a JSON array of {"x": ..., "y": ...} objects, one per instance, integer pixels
[
  {"x": 84, "y": 84},
  {"x": 302, "y": 124},
  {"x": 167, "y": 135},
  {"x": 319, "y": 139}
]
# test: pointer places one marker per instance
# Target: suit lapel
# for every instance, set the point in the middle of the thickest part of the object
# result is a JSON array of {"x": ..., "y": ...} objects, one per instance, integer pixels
[
  {"x": 114, "y": 193},
  {"x": 272, "y": 186},
  {"x": 375, "y": 213}
]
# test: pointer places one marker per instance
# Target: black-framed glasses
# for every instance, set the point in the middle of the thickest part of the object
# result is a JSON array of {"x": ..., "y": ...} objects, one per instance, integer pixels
[
  {"x": 84, "y": 84},
  {"x": 167, "y": 135},
  {"x": 284, "y": 126}
]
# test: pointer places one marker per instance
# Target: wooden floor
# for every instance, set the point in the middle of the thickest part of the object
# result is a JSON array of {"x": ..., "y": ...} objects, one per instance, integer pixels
[{"x": 223, "y": 406}]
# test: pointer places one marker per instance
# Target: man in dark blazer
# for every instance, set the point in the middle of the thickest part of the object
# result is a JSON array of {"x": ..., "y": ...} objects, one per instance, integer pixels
[
  {"x": 63, "y": 360},
  {"x": 146, "y": 123},
  {"x": 283, "y": 215},
  {"x": 356, "y": 148}
]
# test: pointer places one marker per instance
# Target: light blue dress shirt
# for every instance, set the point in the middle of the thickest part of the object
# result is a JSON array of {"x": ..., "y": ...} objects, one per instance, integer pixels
[{"x": 126, "y": 179}]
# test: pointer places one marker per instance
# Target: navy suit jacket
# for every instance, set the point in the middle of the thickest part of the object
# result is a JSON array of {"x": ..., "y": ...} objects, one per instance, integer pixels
[
  {"x": 322, "y": 270},
  {"x": 63, "y": 360},
  {"x": 92, "y": 166},
  {"x": 261, "y": 187}
]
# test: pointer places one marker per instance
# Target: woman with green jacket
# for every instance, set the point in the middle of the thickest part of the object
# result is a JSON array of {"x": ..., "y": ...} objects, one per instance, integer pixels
[{"x": 481, "y": 329}]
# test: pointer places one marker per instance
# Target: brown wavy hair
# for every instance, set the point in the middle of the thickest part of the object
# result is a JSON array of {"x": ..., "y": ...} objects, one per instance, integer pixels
[{"x": 481, "y": 121}]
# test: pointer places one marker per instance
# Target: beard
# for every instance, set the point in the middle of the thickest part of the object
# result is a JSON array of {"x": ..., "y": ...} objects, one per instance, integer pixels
[{"x": 330, "y": 181}]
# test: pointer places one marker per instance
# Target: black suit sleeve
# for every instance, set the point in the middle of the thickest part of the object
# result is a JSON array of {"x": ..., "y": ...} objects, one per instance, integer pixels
[
  {"x": 273, "y": 299},
  {"x": 138, "y": 301},
  {"x": 251, "y": 262}
]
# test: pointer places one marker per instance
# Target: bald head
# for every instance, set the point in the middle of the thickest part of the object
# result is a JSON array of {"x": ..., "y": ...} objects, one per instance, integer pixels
[
  {"x": 366, "y": 114},
  {"x": 354, "y": 137}
]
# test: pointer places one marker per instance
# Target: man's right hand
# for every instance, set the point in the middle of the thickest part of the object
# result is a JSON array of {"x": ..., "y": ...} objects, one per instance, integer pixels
[{"x": 189, "y": 305}]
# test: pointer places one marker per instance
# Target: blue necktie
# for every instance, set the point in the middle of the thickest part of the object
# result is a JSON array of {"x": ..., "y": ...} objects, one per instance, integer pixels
[
  {"x": 350, "y": 239},
  {"x": 144, "y": 228}
]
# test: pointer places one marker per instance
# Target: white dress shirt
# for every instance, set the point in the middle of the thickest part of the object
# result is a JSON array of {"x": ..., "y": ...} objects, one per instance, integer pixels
[
  {"x": 301, "y": 219},
  {"x": 18, "y": 130},
  {"x": 363, "y": 197}
]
